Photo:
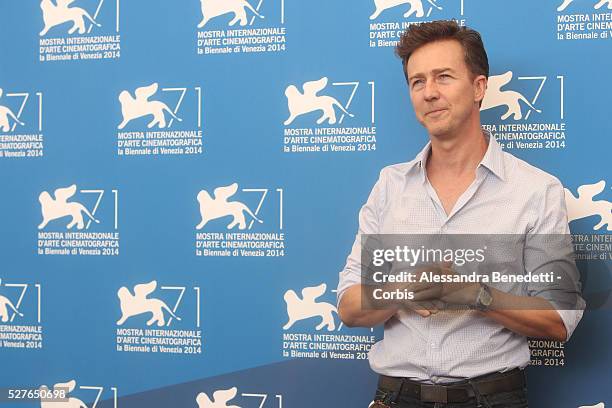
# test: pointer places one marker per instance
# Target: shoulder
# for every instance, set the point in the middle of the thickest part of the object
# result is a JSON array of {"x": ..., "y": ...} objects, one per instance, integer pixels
[
  {"x": 525, "y": 176},
  {"x": 398, "y": 170},
  {"x": 391, "y": 179},
  {"x": 544, "y": 197}
]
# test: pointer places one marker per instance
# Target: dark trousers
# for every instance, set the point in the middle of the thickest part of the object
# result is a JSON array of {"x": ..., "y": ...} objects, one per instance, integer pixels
[{"x": 511, "y": 399}]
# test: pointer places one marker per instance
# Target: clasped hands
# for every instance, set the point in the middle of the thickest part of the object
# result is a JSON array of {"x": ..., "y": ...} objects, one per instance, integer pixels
[{"x": 432, "y": 295}]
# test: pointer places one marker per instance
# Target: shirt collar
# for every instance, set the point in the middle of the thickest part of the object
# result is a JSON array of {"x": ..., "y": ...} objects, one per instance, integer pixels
[{"x": 493, "y": 159}]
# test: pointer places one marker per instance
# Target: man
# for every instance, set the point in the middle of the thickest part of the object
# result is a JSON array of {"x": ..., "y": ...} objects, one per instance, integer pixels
[{"x": 460, "y": 183}]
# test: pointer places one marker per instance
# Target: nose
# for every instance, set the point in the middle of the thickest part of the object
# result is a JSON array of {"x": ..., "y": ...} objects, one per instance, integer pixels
[{"x": 431, "y": 91}]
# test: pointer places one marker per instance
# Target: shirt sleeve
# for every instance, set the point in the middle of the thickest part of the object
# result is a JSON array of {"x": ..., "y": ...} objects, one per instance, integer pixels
[
  {"x": 548, "y": 247},
  {"x": 369, "y": 222}
]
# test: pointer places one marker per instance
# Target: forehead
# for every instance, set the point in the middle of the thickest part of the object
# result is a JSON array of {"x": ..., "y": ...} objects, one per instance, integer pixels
[{"x": 437, "y": 55}]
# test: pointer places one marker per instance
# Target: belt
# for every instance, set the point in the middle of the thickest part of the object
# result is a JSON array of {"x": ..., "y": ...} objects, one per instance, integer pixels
[{"x": 460, "y": 391}]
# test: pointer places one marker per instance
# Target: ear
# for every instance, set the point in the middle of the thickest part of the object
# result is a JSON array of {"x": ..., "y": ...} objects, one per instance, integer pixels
[{"x": 480, "y": 88}]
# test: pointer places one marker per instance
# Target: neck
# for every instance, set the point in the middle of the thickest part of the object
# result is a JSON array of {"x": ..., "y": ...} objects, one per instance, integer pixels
[{"x": 459, "y": 154}]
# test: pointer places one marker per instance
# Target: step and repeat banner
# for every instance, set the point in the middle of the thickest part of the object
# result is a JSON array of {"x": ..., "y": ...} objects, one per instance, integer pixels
[{"x": 181, "y": 182}]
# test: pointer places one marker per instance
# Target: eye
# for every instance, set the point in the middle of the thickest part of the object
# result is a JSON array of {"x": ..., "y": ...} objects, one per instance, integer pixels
[{"x": 417, "y": 83}]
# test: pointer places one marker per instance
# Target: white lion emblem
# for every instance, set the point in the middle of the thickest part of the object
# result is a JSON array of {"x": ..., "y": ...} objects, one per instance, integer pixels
[
  {"x": 5, "y": 114},
  {"x": 303, "y": 103},
  {"x": 416, "y": 6},
  {"x": 597, "y": 6},
  {"x": 139, "y": 304},
  {"x": 220, "y": 399},
  {"x": 54, "y": 15},
  {"x": 132, "y": 108},
  {"x": 218, "y": 207},
  {"x": 60, "y": 388},
  {"x": 58, "y": 207},
  {"x": 584, "y": 206},
  {"x": 5, "y": 305},
  {"x": 495, "y": 97},
  {"x": 307, "y": 307},
  {"x": 215, "y": 8}
]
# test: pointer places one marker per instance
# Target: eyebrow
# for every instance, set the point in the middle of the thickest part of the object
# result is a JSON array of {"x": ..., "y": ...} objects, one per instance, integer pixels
[{"x": 435, "y": 72}]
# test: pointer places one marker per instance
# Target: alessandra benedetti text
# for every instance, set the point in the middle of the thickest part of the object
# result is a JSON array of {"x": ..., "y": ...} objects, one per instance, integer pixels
[{"x": 473, "y": 277}]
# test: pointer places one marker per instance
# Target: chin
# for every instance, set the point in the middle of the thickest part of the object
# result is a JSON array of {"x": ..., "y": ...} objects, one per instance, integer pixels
[{"x": 440, "y": 132}]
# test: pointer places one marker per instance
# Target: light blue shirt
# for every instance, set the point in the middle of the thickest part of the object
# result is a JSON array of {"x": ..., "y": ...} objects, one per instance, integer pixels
[{"x": 508, "y": 196}]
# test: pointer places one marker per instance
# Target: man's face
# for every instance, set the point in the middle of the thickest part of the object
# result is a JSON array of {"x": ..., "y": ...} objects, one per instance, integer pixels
[{"x": 444, "y": 93}]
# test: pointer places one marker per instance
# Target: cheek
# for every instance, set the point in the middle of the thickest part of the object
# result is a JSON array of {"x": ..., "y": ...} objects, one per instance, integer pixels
[
  {"x": 462, "y": 99},
  {"x": 416, "y": 105},
  {"x": 412, "y": 99}
]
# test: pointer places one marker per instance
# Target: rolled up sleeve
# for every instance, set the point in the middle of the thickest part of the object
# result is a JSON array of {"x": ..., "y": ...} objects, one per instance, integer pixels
[
  {"x": 549, "y": 248},
  {"x": 369, "y": 222}
]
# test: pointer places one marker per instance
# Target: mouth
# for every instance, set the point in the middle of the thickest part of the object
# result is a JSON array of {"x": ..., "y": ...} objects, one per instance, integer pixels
[{"x": 436, "y": 112}]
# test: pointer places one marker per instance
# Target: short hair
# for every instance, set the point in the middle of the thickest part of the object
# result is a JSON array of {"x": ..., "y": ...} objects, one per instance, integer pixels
[{"x": 417, "y": 35}]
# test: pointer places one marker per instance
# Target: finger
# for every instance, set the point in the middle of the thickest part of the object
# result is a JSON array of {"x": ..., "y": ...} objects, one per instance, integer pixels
[
  {"x": 429, "y": 305},
  {"x": 431, "y": 293},
  {"x": 438, "y": 304},
  {"x": 423, "y": 312},
  {"x": 422, "y": 286},
  {"x": 424, "y": 309}
]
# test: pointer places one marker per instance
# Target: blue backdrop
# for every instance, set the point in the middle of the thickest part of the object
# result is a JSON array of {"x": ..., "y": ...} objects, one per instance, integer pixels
[{"x": 120, "y": 121}]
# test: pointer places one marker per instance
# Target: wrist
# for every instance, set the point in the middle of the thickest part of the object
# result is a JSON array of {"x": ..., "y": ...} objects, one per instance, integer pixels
[{"x": 483, "y": 299}]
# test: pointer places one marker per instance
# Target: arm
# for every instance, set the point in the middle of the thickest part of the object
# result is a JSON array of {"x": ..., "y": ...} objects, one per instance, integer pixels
[
  {"x": 536, "y": 318},
  {"x": 349, "y": 284},
  {"x": 549, "y": 310},
  {"x": 350, "y": 308},
  {"x": 548, "y": 247},
  {"x": 353, "y": 314},
  {"x": 530, "y": 316}
]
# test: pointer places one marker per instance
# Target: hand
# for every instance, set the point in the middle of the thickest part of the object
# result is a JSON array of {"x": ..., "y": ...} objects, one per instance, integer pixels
[
  {"x": 460, "y": 293},
  {"x": 372, "y": 298},
  {"x": 445, "y": 292},
  {"x": 427, "y": 297},
  {"x": 426, "y": 301},
  {"x": 425, "y": 308}
]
